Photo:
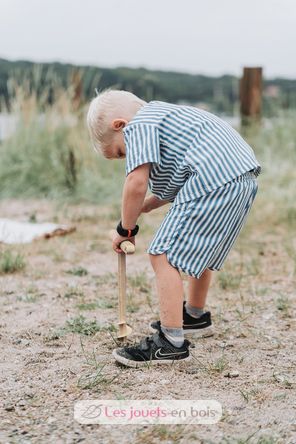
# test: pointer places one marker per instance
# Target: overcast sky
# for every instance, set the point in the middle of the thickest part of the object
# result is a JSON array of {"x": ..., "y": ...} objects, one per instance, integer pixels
[{"x": 198, "y": 36}]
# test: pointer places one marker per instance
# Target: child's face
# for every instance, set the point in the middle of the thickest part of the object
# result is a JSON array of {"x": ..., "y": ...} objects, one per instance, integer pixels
[{"x": 116, "y": 148}]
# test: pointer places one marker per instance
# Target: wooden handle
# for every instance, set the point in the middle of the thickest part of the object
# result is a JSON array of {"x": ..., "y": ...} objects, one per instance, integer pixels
[
  {"x": 126, "y": 246},
  {"x": 122, "y": 288}
]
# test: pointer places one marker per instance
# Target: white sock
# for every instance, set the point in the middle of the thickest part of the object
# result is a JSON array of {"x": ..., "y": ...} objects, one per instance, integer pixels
[{"x": 174, "y": 335}]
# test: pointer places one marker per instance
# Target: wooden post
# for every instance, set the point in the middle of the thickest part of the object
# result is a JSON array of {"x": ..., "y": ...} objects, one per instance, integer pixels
[{"x": 251, "y": 95}]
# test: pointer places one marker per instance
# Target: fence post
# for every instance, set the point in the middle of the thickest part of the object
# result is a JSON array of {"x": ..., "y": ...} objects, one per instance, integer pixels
[{"x": 251, "y": 95}]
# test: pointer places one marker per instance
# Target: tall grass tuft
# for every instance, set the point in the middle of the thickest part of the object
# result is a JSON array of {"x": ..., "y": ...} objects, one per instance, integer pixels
[
  {"x": 11, "y": 262},
  {"x": 275, "y": 147},
  {"x": 50, "y": 154}
]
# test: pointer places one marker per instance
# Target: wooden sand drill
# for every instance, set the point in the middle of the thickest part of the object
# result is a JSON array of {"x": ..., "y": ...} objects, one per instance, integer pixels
[{"x": 128, "y": 248}]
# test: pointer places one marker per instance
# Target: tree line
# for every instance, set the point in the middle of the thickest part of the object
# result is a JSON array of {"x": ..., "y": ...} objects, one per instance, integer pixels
[{"x": 220, "y": 94}]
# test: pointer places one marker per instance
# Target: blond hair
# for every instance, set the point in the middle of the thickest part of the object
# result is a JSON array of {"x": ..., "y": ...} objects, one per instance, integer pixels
[{"x": 107, "y": 105}]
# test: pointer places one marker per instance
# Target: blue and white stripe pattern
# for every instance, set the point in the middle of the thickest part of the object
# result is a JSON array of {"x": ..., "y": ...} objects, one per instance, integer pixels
[
  {"x": 202, "y": 165},
  {"x": 192, "y": 152},
  {"x": 199, "y": 234}
]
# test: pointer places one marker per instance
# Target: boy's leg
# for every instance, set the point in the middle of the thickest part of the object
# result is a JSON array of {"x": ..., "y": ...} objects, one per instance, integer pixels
[
  {"x": 198, "y": 289},
  {"x": 173, "y": 312},
  {"x": 170, "y": 291},
  {"x": 166, "y": 345}
]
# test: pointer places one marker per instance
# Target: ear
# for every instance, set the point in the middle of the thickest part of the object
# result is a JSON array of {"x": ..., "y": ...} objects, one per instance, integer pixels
[{"x": 118, "y": 124}]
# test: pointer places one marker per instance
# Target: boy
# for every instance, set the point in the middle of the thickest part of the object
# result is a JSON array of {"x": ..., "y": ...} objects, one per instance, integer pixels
[{"x": 200, "y": 164}]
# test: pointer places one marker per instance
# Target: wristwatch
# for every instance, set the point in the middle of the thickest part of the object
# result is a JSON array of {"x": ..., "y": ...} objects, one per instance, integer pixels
[{"x": 126, "y": 233}]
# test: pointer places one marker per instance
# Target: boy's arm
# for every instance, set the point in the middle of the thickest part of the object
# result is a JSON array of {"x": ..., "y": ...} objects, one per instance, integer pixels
[
  {"x": 152, "y": 202},
  {"x": 134, "y": 192}
]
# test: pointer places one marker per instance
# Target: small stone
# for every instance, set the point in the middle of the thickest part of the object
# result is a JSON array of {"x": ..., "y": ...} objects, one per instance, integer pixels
[
  {"x": 268, "y": 316},
  {"x": 164, "y": 381},
  {"x": 286, "y": 379},
  {"x": 25, "y": 342},
  {"x": 22, "y": 403},
  {"x": 192, "y": 371},
  {"x": 225, "y": 344},
  {"x": 9, "y": 407},
  {"x": 232, "y": 374},
  {"x": 51, "y": 420}
]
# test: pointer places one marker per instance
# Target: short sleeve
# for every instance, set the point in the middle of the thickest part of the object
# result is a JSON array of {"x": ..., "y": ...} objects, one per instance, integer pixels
[{"x": 142, "y": 145}]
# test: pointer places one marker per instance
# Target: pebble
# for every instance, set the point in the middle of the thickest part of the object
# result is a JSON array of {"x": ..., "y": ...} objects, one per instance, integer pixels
[
  {"x": 286, "y": 379},
  {"x": 22, "y": 403},
  {"x": 51, "y": 420},
  {"x": 9, "y": 407},
  {"x": 24, "y": 342},
  {"x": 232, "y": 374},
  {"x": 224, "y": 344},
  {"x": 164, "y": 381}
]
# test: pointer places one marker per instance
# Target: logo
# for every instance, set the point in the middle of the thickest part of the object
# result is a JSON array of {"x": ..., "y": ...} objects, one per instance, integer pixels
[
  {"x": 92, "y": 411},
  {"x": 195, "y": 325},
  {"x": 160, "y": 355},
  {"x": 148, "y": 411}
]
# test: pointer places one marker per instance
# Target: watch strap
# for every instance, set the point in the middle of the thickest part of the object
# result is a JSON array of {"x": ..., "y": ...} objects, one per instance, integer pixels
[{"x": 126, "y": 232}]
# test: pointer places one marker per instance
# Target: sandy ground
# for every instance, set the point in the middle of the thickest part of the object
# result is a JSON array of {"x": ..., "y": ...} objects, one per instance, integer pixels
[{"x": 47, "y": 364}]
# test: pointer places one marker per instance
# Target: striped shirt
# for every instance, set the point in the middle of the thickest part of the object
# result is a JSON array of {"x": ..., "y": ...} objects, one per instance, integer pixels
[{"x": 191, "y": 151}]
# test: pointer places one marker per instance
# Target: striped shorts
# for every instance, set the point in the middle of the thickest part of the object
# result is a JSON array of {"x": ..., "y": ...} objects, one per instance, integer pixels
[{"x": 200, "y": 233}]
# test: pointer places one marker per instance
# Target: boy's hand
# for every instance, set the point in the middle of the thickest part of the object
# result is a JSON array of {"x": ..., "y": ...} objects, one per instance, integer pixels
[{"x": 117, "y": 241}]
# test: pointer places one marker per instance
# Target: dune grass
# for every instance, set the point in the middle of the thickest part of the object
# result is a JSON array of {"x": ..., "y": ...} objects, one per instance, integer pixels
[
  {"x": 275, "y": 146},
  {"x": 50, "y": 155},
  {"x": 11, "y": 261}
]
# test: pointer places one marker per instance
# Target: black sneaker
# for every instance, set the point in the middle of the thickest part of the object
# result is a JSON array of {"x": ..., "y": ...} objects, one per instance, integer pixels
[
  {"x": 155, "y": 349},
  {"x": 199, "y": 327}
]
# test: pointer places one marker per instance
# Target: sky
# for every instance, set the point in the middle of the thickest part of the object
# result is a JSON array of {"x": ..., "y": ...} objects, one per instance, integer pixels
[{"x": 211, "y": 37}]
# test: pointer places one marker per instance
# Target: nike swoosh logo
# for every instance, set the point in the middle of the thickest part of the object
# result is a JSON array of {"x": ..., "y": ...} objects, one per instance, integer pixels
[
  {"x": 160, "y": 355},
  {"x": 194, "y": 325}
]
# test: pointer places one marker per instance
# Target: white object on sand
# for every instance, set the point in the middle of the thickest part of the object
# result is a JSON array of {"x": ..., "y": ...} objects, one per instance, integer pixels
[{"x": 15, "y": 232}]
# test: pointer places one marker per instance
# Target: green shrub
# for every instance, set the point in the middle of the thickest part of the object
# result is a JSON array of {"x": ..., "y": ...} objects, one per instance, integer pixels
[
  {"x": 11, "y": 262},
  {"x": 82, "y": 326}
]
